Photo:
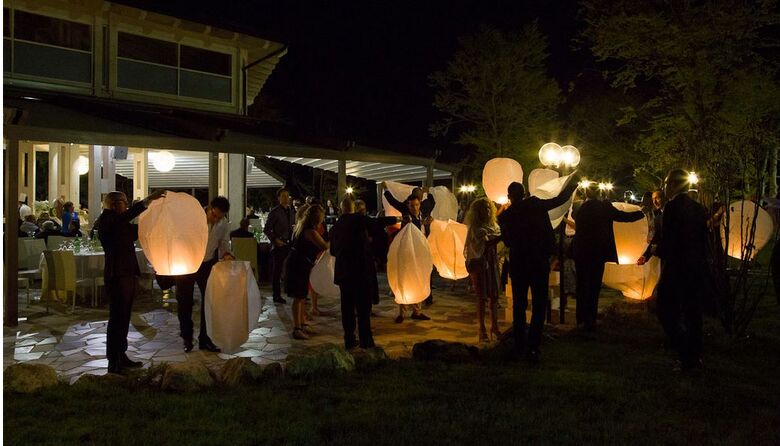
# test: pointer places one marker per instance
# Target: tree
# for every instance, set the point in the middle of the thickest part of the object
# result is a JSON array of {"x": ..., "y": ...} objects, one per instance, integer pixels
[{"x": 496, "y": 94}]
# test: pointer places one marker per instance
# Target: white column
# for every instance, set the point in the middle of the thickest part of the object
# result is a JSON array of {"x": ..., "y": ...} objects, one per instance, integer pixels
[
  {"x": 140, "y": 174},
  {"x": 54, "y": 172},
  {"x": 109, "y": 170},
  {"x": 236, "y": 187},
  {"x": 69, "y": 173},
  {"x": 95, "y": 179},
  {"x": 27, "y": 172},
  {"x": 222, "y": 182}
]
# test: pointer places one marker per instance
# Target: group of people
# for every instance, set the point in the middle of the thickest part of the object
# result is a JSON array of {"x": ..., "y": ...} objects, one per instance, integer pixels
[{"x": 65, "y": 221}]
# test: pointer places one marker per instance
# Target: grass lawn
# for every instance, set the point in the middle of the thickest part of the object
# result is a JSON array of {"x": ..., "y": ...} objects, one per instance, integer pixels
[{"x": 615, "y": 387}]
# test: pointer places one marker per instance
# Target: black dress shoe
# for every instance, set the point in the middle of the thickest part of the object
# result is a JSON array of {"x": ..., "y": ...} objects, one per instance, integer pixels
[
  {"x": 279, "y": 300},
  {"x": 126, "y": 362},
  {"x": 209, "y": 346},
  {"x": 114, "y": 367},
  {"x": 187, "y": 346},
  {"x": 420, "y": 317}
]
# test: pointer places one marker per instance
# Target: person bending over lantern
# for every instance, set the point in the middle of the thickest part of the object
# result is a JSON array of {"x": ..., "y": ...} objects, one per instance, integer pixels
[
  {"x": 415, "y": 217},
  {"x": 482, "y": 261},
  {"x": 120, "y": 272},
  {"x": 217, "y": 248},
  {"x": 526, "y": 230}
]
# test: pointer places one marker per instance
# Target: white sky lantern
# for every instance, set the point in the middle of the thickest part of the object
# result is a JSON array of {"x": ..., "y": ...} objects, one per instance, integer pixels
[
  {"x": 740, "y": 219},
  {"x": 550, "y": 154},
  {"x": 447, "y": 240},
  {"x": 409, "y": 266},
  {"x": 570, "y": 156},
  {"x": 398, "y": 190},
  {"x": 232, "y": 304},
  {"x": 537, "y": 177},
  {"x": 173, "y": 233},
  {"x": 446, "y": 203},
  {"x": 163, "y": 161},
  {"x": 82, "y": 163},
  {"x": 551, "y": 189},
  {"x": 634, "y": 281},
  {"x": 497, "y": 175},
  {"x": 322, "y": 275}
]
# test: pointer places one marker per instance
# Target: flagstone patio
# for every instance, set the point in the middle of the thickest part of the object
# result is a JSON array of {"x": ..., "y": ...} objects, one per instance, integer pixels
[{"x": 74, "y": 344}]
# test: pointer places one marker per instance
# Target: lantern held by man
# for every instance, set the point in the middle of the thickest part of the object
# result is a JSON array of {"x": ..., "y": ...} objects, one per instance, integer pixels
[
  {"x": 447, "y": 240},
  {"x": 173, "y": 234},
  {"x": 552, "y": 189},
  {"x": 537, "y": 177},
  {"x": 497, "y": 175},
  {"x": 409, "y": 266},
  {"x": 232, "y": 304},
  {"x": 322, "y": 275},
  {"x": 740, "y": 221},
  {"x": 634, "y": 281},
  {"x": 446, "y": 207}
]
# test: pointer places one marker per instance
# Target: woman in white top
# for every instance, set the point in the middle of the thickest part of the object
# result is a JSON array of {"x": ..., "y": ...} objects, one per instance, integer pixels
[{"x": 482, "y": 262}]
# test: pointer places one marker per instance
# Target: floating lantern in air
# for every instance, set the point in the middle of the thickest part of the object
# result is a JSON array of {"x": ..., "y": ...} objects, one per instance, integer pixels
[
  {"x": 409, "y": 266},
  {"x": 447, "y": 240},
  {"x": 321, "y": 277},
  {"x": 552, "y": 189},
  {"x": 497, "y": 175},
  {"x": 550, "y": 154},
  {"x": 634, "y": 281},
  {"x": 537, "y": 177},
  {"x": 232, "y": 304},
  {"x": 569, "y": 156},
  {"x": 446, "y": 207},
  {"x": 173, "y": 234},
  {"x": 740, "y": 218}
]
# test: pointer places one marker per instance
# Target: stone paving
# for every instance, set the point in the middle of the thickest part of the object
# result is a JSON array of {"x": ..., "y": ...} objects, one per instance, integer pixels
[{"x": 74, "y": 344}]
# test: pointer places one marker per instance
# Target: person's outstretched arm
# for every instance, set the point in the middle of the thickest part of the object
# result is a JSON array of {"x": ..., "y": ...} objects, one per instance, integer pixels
[{"x": 399, "y": 206}]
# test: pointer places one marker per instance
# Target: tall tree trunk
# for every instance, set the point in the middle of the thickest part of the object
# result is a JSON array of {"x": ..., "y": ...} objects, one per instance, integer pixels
[{"x": 773, "y": 171}]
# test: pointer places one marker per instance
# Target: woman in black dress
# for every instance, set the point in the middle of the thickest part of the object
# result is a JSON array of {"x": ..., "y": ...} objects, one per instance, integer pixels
[{"x": 307, "y": 245}]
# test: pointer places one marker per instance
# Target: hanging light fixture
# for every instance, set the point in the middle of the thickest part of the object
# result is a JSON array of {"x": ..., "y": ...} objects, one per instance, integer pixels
[
  {"x": 163, "y": 161},
  {"x": 83, "y": 165}
]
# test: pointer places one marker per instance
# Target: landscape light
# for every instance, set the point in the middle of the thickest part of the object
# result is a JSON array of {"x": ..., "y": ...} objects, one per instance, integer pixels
[{"x": 693, "y": 178}]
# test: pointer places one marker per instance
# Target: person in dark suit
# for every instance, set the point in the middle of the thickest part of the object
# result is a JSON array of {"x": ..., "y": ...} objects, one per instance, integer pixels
[
  {"x": 594, "y": 244},
  {"x": 526, "y": 230},
  {"x": 120, "y": 273},
  {"x": 355, "y": 272},
  {"x": 278, "y": 228},
  {"x": 683, "y": 250}
]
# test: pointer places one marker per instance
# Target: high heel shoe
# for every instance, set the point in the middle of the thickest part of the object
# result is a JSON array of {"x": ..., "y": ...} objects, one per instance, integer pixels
[{"x": 300, "y": 334}]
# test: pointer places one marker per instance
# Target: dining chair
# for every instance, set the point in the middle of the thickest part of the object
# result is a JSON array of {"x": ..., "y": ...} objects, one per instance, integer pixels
[
  {"x": 245, "y": 248},
  {"x": 61, "y": 275},
  {"x": 30, "y": 251},
  {"x": 54, "y": 241}
]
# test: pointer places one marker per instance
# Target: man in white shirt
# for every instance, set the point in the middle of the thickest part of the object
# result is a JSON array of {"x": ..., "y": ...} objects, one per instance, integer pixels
[{"x": 217, "y": 248}]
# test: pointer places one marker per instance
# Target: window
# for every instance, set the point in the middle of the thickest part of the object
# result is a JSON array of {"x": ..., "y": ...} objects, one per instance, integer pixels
[
  {"x": 159, "y": 66},
  {"x": 47, "y": 47}
]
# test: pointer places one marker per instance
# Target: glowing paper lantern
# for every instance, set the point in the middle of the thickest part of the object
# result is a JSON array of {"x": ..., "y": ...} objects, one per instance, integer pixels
[
  {"x": 322, "y": 274},
  {"x": 537, "y": 177},
  {"x": 634, "y": 281},
  {"x": 232, "y": 304},
  {"x": 399, "y": 191},
  {"x": 550, "y": 154},
  {"x": 447, "y": 240},
  {"x": 446, "y": 204},
  {"x": 552, "y": 189},
  {"x": 740, "y": 219},
  {"x": 82, "y": 164},
  {"x": 497, "y": 175},
  {"x": 409, "y": 266},
  {"x": 173, "y": 234},
  {"x": 163, "y": 161}
]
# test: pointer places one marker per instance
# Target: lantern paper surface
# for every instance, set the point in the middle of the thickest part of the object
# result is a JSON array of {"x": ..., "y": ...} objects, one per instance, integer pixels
[
  {"x": 322, "y": 274},
  {"x": 446, "y": 204},
  {"x": 399, "y": 191},
  {"x": 740, "y": 219},
  {"x": 447, "y": 240},
  {"x": 232, "y": 304},
  {"x": 537, "y": 177},
  {"x": 497, "y": 175},
  {"x": 634, "y": 281},
  {"x": 409, "y": 266},
  {"x": 173, "y": 234},
  {"x": 552, "y": 189}
]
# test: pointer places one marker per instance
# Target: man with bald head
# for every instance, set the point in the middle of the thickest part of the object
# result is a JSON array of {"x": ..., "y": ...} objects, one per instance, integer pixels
[{"x": 117, "y": 236}]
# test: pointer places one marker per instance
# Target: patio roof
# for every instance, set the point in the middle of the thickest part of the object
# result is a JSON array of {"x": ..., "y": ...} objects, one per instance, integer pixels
[{"x": 374, "y": 171}]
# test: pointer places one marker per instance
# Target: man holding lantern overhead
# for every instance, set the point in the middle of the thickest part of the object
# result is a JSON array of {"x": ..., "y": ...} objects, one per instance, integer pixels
[
  {"x": 120, "y": 272},
  {"x": 526, "y": 230}
]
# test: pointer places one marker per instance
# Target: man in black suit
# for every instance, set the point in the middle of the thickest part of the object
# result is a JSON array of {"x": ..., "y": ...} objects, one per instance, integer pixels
[
  {"x": 526, "y": 230},
  {"x": 278, "y": 228},
  {"x": 683, "y": 250},
  {"x": 594, "y": 244},
  {"x": 355, "y": 272},
  {"x": 121, "y": 270}
]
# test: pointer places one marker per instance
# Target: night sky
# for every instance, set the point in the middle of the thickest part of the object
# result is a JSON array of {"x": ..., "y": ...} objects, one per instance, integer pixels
[{"x": 358, "y": 70}]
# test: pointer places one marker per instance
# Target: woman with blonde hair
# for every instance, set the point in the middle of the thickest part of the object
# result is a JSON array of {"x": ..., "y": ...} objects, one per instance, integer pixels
[
  {"x": 307, "y": 245},
  {"x": 482, "y": 262}
]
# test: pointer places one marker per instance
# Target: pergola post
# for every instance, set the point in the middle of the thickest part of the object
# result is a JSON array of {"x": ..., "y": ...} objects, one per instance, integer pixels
[
  {"x": 27, "y": 172},
  {"x": 236, "y": 187},
  {"x": 55, "y": 158},
  {"x": 101, "y": 177},
  {"x": 429, "y": 176},
  {"x": 342, "y": 184},
  {"x": 10, "y": 231},
  {"x": 140, "y": 174}
]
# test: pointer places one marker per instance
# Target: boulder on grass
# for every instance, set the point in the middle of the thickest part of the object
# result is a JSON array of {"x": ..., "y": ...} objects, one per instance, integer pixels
[
  {"x": 370, "y": 358},
  {"x": 321, "y": 360},
  {"x": 188, "y": 376},
  {"x": 29, "y": 378},
  {"x": 110, "y": 379},
  {"x": 238, "y": 371},
  {"x": 273, "y": 370},
  {"x": 438, "y": 350}
]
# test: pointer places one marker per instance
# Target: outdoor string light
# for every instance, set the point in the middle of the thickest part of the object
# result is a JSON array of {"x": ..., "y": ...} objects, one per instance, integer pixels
[
  {"x": 349, "y": 190},
  {"x": 163, "y": 161},
  {"x": 83, "y": 165}
]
